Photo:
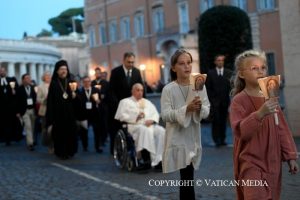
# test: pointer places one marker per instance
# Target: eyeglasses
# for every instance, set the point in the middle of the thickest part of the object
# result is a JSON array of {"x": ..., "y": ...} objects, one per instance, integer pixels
[{"x": 257, "y": 69}]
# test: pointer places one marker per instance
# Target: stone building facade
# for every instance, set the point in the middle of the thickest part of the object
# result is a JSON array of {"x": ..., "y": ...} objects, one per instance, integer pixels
[
  {"x": 20, "y": 57},
  {"x": 154, "y": 29}
]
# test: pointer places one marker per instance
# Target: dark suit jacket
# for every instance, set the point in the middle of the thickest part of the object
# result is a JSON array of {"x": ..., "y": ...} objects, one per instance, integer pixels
[
  {"x": 119, "y": 88},
  {"x": 7, "y": 87},
  {"x": 90, "y": 114},
  {"x": 22, "y": 99},
  {"x": 7, "y": 98},
  {"x": 218, "y": 87},
  {"x": 103, "y": 91}
]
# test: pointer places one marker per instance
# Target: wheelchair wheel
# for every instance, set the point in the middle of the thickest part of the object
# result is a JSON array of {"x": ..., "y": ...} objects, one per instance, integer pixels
[
  {"x": 130, "y": 164},
  {"x": 120, "y": 150}
]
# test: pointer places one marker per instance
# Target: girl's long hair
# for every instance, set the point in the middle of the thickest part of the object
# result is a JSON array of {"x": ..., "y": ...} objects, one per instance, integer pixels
[{"x": 239, "y": 83}]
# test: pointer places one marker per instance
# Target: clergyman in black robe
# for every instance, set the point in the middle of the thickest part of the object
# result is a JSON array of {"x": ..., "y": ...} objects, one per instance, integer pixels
[
  {"x": 60, "y": 115},
  {"x": 10, "y": 127}
]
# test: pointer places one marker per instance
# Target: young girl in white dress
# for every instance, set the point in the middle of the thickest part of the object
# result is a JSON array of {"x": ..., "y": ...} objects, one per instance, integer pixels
[{"x": 182, "y": 108}]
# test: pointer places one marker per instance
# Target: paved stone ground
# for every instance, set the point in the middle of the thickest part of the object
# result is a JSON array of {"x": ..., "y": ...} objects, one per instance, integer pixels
[{"x": 40, "y": 176}]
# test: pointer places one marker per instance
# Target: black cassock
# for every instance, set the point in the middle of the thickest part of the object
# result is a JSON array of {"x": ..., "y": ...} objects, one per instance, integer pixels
[
  {"x": 61, "y": 114},
  {"x": 10, "y": 127}
]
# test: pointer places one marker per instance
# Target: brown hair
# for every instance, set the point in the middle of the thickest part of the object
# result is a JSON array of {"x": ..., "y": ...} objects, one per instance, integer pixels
[
  {"x": 239, "y": 83},
  {"x": 174, "y": 60}
]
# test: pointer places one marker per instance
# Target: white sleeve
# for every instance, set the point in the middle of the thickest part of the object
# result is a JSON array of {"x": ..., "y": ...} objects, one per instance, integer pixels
[
  {"x": 172, "y": 115},
  {"x": 126, "y": 112}
]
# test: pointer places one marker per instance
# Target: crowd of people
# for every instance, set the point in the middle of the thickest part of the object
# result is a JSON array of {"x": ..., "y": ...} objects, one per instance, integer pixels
[
  {"x": 61, "y": 109},
  {"x": 66, "y": 107}
]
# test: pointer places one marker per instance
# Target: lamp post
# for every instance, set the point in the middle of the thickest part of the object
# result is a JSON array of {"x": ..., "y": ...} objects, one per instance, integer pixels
[
  {"x": 143, "y": 68},
  {"x": 162, "y": 68}
]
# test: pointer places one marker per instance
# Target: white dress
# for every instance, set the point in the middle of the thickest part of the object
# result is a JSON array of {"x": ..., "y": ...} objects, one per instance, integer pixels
[
  {"x": 151, "y": 138},
  {"x": 183, "y": 135}
]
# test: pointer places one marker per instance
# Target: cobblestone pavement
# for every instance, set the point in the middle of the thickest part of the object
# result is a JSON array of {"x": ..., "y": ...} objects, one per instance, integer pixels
[{"x": 40, "y": 176}]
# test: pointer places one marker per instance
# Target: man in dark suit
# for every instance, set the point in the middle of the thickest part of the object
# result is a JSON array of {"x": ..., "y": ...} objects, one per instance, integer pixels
[
  {"x": 121, "y": 81},
  {"x": 90, "y": 100},
  {"x": 218, "y": 89},
  {"x": 26, "y": 108},
  {"x": 102, "y": 84},
  {"x": 8, "y": 119}
]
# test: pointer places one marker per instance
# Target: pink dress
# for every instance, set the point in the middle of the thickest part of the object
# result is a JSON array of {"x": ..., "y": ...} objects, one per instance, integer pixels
[{"x": 259, "y": 148}]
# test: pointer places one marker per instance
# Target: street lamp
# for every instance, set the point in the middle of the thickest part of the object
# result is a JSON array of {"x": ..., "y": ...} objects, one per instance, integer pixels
[
  {"x": 162, "y": 67},
  {"x": 143, "y": 68}
]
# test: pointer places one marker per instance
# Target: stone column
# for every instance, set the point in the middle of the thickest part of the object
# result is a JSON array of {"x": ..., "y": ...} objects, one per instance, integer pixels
[
  {"x": 47, "y": 67},
  {"x": 40, "y": 72},
  {"x": 44, "y": 68},
  {"x": 11, "y": 69},
  {"x": 32, "y": 72},
  {"x": 51, "y": 68},
  {"x": 22, "y": 70}
]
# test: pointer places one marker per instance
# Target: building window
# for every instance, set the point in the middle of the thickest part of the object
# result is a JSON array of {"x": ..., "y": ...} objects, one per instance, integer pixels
[
  {"x": 102, "y": 33},
  {"x": 113, "y": 31},
  {"x": 184, "y": 26},
  {"x": 271, "y": 63},
  {"x": 206, "y": 4},
  {"x": 158, "y": 19},
  {"x": 125, "y": 28},
  {"x": 265, "y": 4},
  {"x": 92, "y": 39},
  {"x": 139, "y": 24},
  {"x": 242, "y": 4}
]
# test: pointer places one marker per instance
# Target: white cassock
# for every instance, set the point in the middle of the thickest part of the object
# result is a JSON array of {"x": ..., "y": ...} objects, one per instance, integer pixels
[{"x": 151, "y": 138}]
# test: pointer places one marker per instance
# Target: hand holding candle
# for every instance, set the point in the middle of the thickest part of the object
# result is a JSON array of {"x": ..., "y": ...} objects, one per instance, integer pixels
[
  {"x": 270, "y": 89},
  {"x": 73, "y": 86},
  {"x": 197, "y": 81},
  {"x": 98, "y": 86},
  {"x": 12, "y": 84},
  {"x": 96, "y": 98}
]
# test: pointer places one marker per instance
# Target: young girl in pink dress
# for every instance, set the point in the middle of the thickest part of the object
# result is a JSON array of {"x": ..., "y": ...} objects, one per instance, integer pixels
[{"x": 259, "y": 144}]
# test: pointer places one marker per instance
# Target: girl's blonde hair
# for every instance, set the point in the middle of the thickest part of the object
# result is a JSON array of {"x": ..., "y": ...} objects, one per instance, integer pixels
[{"x": 239, "y": 83}]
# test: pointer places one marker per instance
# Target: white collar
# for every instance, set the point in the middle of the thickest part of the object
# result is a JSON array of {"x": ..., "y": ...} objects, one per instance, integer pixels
[{"x": 126, "y": 70}]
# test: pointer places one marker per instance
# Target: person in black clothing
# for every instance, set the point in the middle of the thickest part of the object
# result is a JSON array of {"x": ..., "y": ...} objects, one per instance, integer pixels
[
  {"x": 121, "y": 81},
  {"x": 102, "y": 85},
  {"x": 8, "y": 120},
  {"x": 60, "y": 114},
  {"x": 26, "y": 100},
  {"x": 90, "y": 100},
  {"x": 218, "y": 89}
]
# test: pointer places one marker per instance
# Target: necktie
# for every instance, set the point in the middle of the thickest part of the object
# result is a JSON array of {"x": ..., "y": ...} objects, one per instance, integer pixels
[
  {"x": 27, "y": 89},
  {"x": 128, "y": 77},
  {"x": 87, "y": 93},
  {"x": 220, "y": 72}
]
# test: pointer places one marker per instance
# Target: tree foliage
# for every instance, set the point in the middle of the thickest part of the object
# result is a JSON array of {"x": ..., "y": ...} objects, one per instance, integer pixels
[
  {"x": 44, "y": 33},
  {"x": 223, "y": 30},
  {"x": 63, "y": 25}
]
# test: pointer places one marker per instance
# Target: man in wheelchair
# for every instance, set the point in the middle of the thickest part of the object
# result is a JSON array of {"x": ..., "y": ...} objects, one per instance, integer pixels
[{"x": 142, "y": 119}]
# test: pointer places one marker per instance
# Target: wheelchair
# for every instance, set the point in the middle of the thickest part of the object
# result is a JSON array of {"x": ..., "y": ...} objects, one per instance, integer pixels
[{"x": 124, "y": 152}]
